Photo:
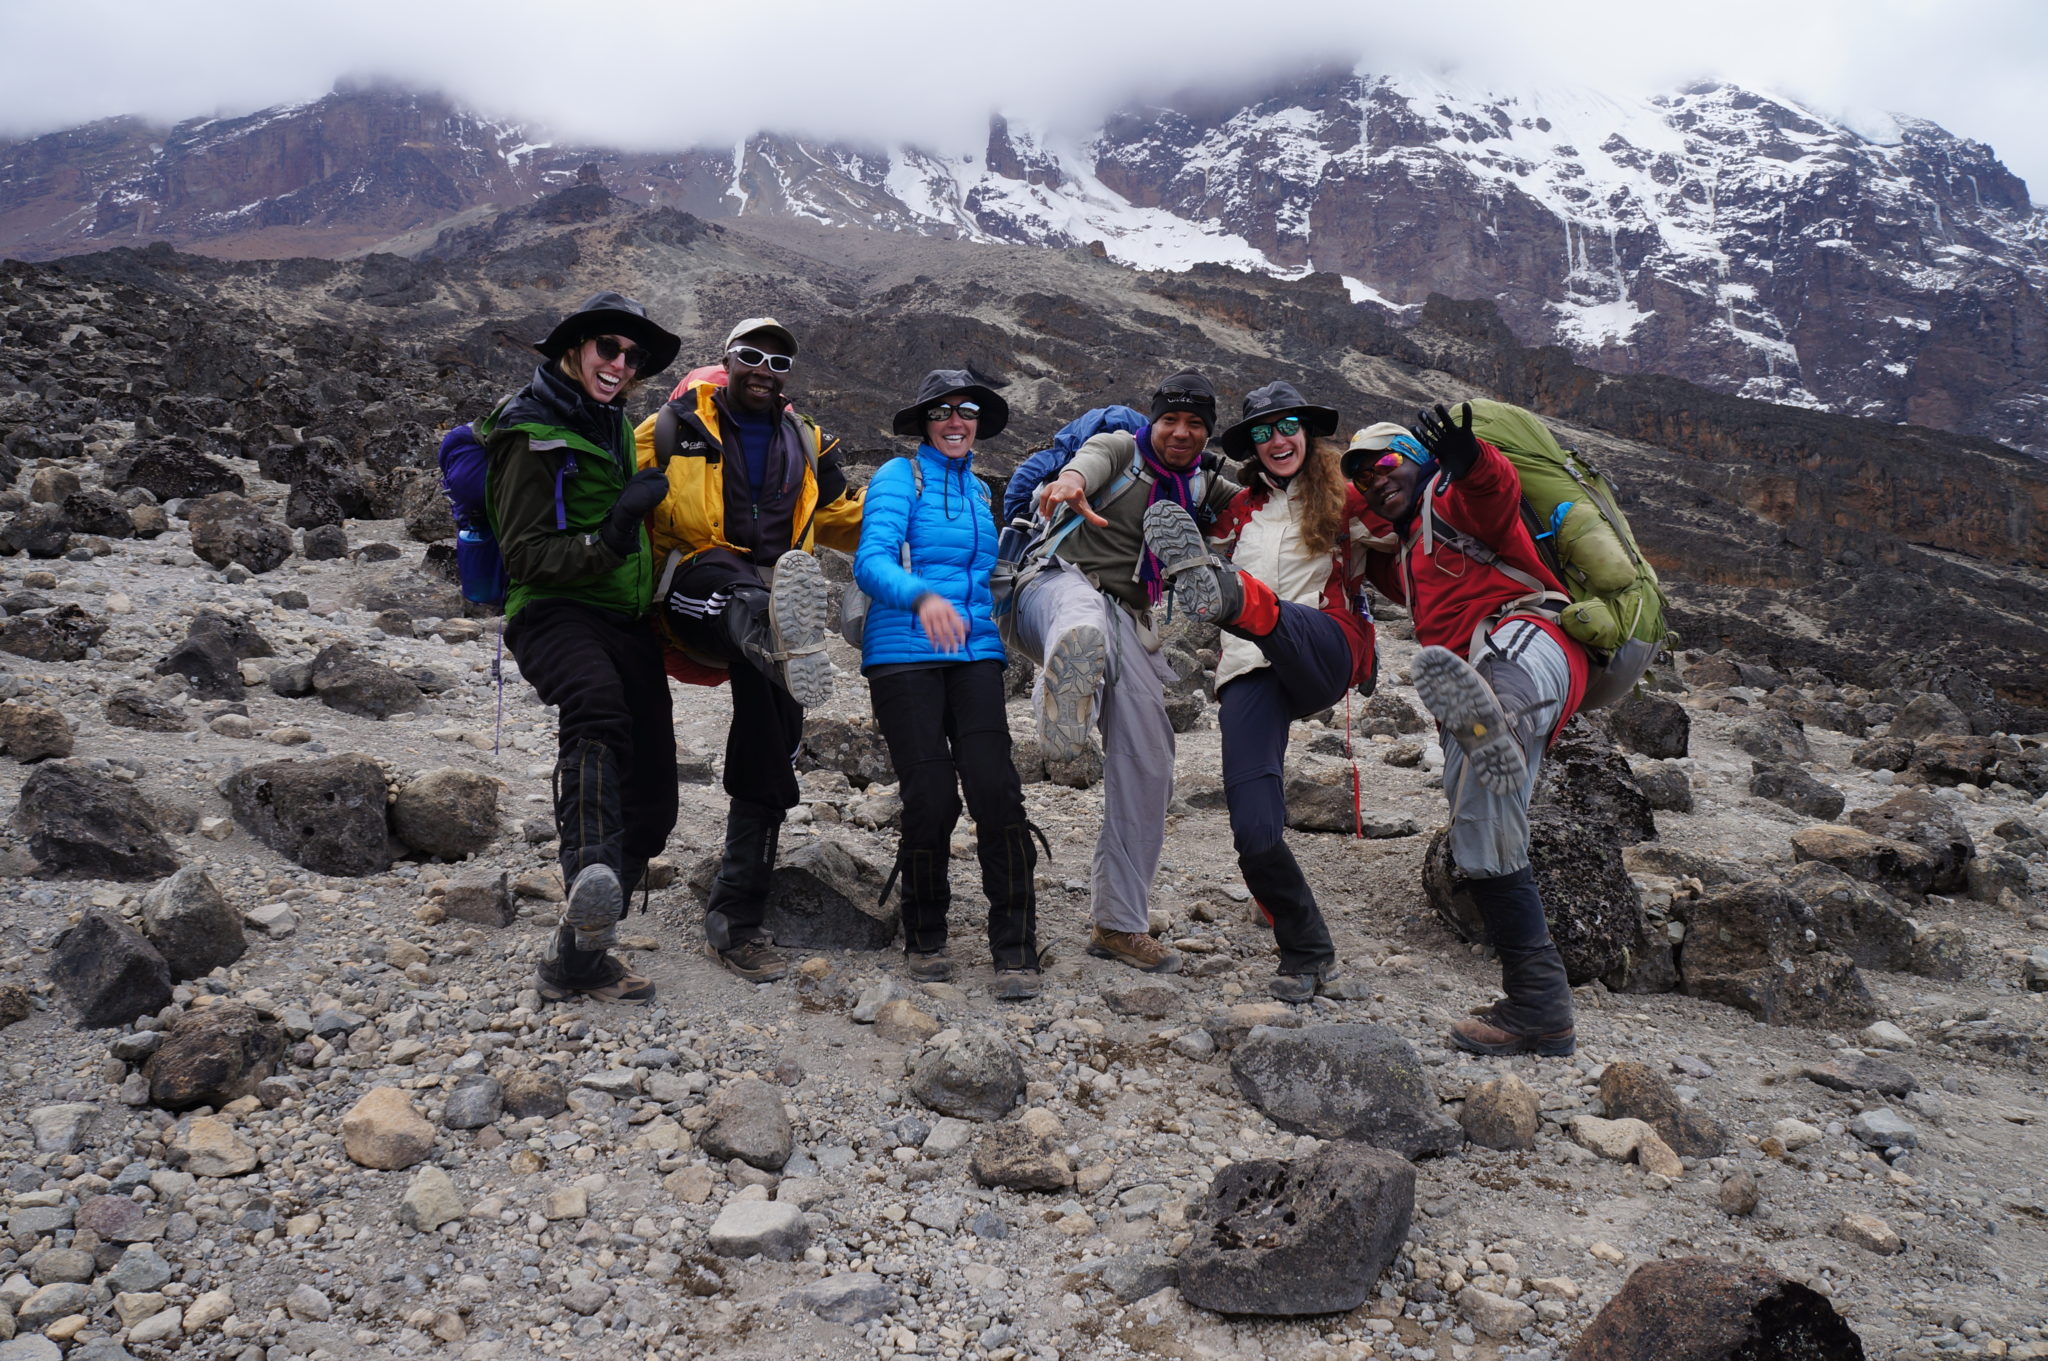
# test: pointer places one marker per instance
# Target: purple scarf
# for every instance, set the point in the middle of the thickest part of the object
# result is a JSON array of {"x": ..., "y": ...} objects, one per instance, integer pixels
[{"x": 1167, "y": 485}]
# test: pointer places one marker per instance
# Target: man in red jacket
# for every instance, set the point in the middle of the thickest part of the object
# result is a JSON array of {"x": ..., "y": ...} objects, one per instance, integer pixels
[{"x": 1500, "y": 675}]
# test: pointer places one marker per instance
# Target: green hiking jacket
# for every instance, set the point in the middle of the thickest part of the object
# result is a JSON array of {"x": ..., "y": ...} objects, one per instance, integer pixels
[{"x": 548, "y": 490}]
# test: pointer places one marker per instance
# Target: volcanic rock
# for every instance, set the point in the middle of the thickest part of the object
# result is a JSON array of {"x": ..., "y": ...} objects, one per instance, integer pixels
[
  {"x": 1357, "y": 1082},
  {"x": 1699, "y": 1309},
  {"x": 213, "y": 1056},
  {"x": 192, "y": 925},
  {"x": 79, "y": 821},
  {"x": 108, "y": 972},
  {"x": 227, "y": 529},
  {"x": 326, "y": 814}
]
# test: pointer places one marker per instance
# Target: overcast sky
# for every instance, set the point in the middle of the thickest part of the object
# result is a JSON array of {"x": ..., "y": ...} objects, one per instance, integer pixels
[{"x": 675, "y": 75}]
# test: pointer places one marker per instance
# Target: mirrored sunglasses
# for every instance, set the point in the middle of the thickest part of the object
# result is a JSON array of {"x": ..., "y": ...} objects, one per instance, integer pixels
[
  {"x": 611, "y": 347},
  {"x": 761, "y": 359},
  {"x": 968, "y": 411},
  {"x": 1286, "y": 425}
]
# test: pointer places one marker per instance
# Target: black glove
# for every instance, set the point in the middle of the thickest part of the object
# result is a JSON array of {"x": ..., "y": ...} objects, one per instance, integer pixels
[
  {"x": 1452, "y": 445},
  {"x": 643, "y": 491}
]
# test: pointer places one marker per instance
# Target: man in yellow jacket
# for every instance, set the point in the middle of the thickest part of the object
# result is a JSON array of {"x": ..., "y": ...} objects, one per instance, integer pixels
[{"x": 752, "y": 485}]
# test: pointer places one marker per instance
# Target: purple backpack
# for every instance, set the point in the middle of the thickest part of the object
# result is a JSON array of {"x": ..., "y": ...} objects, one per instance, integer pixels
[{"x": 478, "y": 563}]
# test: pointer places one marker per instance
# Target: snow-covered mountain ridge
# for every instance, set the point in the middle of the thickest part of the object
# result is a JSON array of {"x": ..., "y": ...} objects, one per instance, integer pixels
[{"x": 1714, "y": 233}]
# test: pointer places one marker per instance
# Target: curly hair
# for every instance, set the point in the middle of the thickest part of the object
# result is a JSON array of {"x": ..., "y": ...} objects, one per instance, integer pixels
[{"x": 1320, "y": 487}]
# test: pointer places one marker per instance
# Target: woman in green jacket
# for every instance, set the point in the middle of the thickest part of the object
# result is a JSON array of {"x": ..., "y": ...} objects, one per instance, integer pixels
[{"x": 566, "y": 507}]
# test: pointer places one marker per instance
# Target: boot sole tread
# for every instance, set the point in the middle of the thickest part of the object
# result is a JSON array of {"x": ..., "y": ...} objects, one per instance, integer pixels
[
  {"x": 595, "y": 903},
  {"x": 1072, "y": 674},
  {"x": 1184, "y": 560},
  {"x": 797, "y": 610},
  {"x": 1471, "y": 715}
]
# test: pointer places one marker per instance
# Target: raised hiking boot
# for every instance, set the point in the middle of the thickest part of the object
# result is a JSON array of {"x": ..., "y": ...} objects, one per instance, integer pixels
[
  {"x": 1204, "y": 589},
  {"x": 1015, "y": 985},
  {"x": 595, "y": 905},
  {"x": 929, "y": 966},
  {"x": 1073, "y": 673},
  {"x": 1482, "y": 1033},
  {"x": 797, "y": 615},
  {"x": 1134, "y": 948},
  {"x": 612, "y": 981},
  {"x": 1472, "y": 717},
  {"x": 757, "y": 961}
]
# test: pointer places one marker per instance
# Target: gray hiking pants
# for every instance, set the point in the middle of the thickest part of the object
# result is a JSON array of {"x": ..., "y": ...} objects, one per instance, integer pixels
[
  {"x": 1137, "y": 741},
  {"x": 1531, "y": 678}
]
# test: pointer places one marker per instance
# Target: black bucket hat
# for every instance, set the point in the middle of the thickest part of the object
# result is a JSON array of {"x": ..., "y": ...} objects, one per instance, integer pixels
[
  {"x": 995, "y": 412},
  {"x": 613, "y": 314},
  {"x": 1268, "y": 404}
]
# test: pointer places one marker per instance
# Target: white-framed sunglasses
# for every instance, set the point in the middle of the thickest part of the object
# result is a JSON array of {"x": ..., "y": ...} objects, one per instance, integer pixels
[{"x": 761, "y": 359}]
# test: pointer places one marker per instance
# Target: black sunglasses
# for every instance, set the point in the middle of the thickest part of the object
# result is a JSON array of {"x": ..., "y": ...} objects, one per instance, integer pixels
[
  {"x": 1286, "y": 425},
  {"x": 969, "y": 411},
  {"x": 611, "y": 347},
  {"x": 761, "y": 359}
]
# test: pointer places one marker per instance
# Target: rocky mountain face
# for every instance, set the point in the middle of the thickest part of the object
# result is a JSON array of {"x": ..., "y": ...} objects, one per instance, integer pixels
[
  {"x": 278, "y": 860},
  {"x": 1712, "y": 233}
]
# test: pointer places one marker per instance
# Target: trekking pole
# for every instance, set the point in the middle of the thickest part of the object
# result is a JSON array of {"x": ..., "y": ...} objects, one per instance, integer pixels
[
  {"x": 1357, "y": 796},
  {"x": 498, "y": 678}
]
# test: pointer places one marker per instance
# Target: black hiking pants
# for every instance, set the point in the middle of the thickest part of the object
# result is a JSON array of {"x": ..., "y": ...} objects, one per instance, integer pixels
[{"x": 767, "y": 725}]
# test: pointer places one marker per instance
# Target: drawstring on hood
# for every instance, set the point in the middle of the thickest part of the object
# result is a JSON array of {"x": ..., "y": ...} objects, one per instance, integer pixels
[{"x": 553, "y": 398}]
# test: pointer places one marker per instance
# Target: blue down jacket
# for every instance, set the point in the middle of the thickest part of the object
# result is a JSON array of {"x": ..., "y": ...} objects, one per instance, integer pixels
[{"x": 951, "y": 530}]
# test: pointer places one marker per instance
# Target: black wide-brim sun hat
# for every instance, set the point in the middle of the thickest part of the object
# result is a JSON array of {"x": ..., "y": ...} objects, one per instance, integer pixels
[
  {"x": 995, "y": 412},
  {"x": 1268, "y": 404},
  {"x": 613, "y": 314}
]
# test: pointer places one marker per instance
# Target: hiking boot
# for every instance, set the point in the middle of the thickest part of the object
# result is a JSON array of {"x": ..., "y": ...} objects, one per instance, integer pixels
[
  {"x": 797, "y": 616},
  {"x": 1203, "y": 588},
  {"x": 1472, "y": 717},
  {"x": 1073, "y": 673},
  {"x": 929, "y": 966},
  {"x": 757, "y": 961},
  {"x": 1482, "y": 1033},
  {"x": 1330, "y": 981},
  {"x": 1015, "y": 985},
  {"x": 1134, "y": 948},
  {"x": 613, "y": 982},
  {"x": 594, "y": 907}
]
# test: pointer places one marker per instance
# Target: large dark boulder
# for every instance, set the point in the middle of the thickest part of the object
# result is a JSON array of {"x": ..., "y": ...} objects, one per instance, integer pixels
[
  {"x": 822, "y": 897},
  {"x": 81, "y": 822},
  {"x": 39, "y": 530},
  {"x": 208, "y": 665},
  {"x": 227, "y": 529},
  {"x": 1587, "y": 778},
  {"x": 1309, "y": 1236},
  {"x": 1699, "y": 1309},
  {"x": 96, "y": 512},
  {"x": 1593, "y": 907},
  {"x": 192, "y": 925},
  {"x": 1757, "y": 948},
  {"x": 1897, "y": 867},
  {"x": 63, "y": 634},
  {"x": 1772, "y": 736},
  {"x": 1656, "y": 726},
  {"x": 1357, "y": 1082},
  {"x": 1788, "y": 786},
  {"x": 851, "y": 746},
  {"x": 1918, "y": 818},
  {"x": 107, "y": 972},
  {"x": 168, "y": 469},
  {"x": 214, "y": 1056},
  {"x": 1861, "y": 920},
  {"x": 326, "y": 814},
  {"x": 138, "y": 709},
  {"x": 346, "y": 680}
]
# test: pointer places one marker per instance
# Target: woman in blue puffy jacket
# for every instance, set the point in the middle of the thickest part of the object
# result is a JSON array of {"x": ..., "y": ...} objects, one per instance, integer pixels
[{"x": 934, "y": 665}]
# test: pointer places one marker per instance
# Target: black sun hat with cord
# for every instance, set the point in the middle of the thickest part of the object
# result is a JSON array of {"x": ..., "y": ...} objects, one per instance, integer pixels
[
  {"x": 613, "y": 314},
  {"x": 1271, "y": 403},
  {"x": 995, "y": 412}
]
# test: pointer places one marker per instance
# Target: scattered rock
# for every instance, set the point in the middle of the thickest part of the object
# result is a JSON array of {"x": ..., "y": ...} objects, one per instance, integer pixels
[
  {"x": 1756, "y": 948},
  {"x": 484, "y": 899},
  {"x": 30, "y": 733},
  {"x": 227, "y": 529},
  {"x": 107, "y": 972},
  {"x": 1918, "y": 818},
  {"x": 1772, "y": 736},
  {"x": 1928, "y": 715},
  {"x": 765, "y": 1228},
  {"x": 352, "y": 683},
  {"x": 214, "y": 1056},
  {"x": 430, "y": 1201},
  {"x": 1655, "y": 726},
  {"x": 1894, "y": 866},
  {"x": 1869, "y": 1233},
  {"x": 748, "y": 1123},
  {"x": 1633, "y": 1090},
  {"x": 447, "y": 812},
  {"x": 1152, "y": 999},
  {"x": 529, "y": 1095},
  {"x": 210, "y": 1147},
  {"x": 1699, "y": 1309},
  {"x": 64, "y": 634},
  {"x": 901, "y": 1021},
  {"x": 1309, "y": 1236},
  {"x": 850, "y": 1297},
  {"x": 477, "y": 1101},
  {"x": 382, "y": 1130},
  {"x": 1021, "y": 1155},
  {"x": 1622, "y": 1140},
  {"x": 1494, "y": 1315},
  {"x": 1859, "y": 919},
  {"x": 1740, "y": 1193},
  {"x": 823, "y": 898},
  {"x": 327, "y": 814},
  {"x": 132, "y": 708},
  {"x": 80, "y": 821},
  {"x": 1359, "y": 1082},
  {"x": 1884, "y": 1129},
  {"x": 1665, "y": 784},
  {"x": 62, "y": 1128},
  {"x": 976, "y": 1077},
  {"x": 1790, "y": 787},
  {"x": 1503, "y": 1113},
  {"x": 1863, "y": 1075},
  {"x": 191, "y": 924},
  {"x": 1946, "y": 950}
]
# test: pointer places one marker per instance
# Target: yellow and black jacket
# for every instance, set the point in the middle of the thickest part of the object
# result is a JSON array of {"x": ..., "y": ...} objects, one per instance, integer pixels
[{"x": 806, "y": 499}]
